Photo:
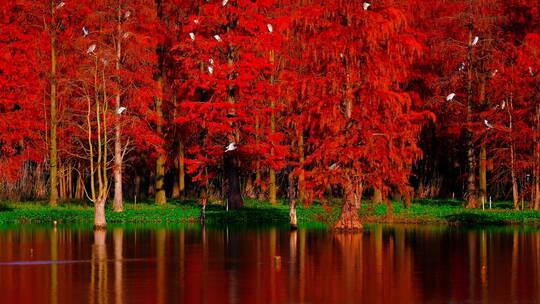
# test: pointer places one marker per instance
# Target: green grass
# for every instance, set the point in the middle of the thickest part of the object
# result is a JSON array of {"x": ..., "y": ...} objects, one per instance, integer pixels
[
  {"x": 451, "y": 212},
  {"x": 184, "y": 212},
  {"x": 259, "y": 213}
]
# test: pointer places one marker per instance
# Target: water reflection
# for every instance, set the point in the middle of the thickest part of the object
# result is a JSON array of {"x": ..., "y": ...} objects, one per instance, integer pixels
[{"x": 232, "y": 265}]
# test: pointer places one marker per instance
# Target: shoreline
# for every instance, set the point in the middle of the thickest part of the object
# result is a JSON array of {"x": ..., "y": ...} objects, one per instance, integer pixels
[{"x": 263, "y": 213}]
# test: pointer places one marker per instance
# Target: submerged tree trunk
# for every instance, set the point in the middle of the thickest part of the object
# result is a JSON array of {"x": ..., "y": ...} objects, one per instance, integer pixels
[
  {"x": 234, "y": 196},
  {"x": 99, "y": 215},
  {"x": 349, "y": 219}
]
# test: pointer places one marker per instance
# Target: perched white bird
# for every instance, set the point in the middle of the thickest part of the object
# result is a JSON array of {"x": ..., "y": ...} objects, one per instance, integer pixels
[
  {"x": 91, "y": 49},
  {"x": 192, "y": 36},
  {"x": 211, "y": 70},
  {"x": 217, "y": 38},
  {"x": 494, "y": 73},
  {"x": 461, "y": 66},
  {"x": 120, "y": 110},
  {"x": 224, "y": 2},
  {"x": 127, "y": 14},
  {"x": 366, "y": 5},
  {"x": 475, "y": 41},
  {"x": 60, "y": 5},
  {"x": 531, "y": 71},
  {"x": 211, "y": 61},
  {"x": 270, "y": 27},
  {"x": 231, "y": 147},
  {"x": 196, "y": 21},
  {"x": 488, "y": 124},
  {"x": 503, "y": 104},
  {"x": 126, "y": 35},
  {"x": 450, "y": 96},
  {"x": 85, "y": 31},
  {"x": 334, "y": 166},
  {"x": 341, "y": 55}
]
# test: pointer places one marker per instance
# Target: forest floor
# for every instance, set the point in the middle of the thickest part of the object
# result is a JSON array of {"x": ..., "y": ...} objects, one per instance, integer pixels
[{"x": 262, "y": 213}]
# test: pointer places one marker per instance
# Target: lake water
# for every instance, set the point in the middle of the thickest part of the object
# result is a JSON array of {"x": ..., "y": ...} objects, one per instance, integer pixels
[{"x": 170, "y": 264}]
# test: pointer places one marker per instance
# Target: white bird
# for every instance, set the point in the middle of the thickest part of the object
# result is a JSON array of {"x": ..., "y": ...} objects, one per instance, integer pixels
[
  {"x": 126, "y": 35},
  {"x": 503, "y": 104},
  {"x": 120, "y": 110},
  {"x": 494, "y": 73},
  {"x": 91, "y": 49},
  {"x": 531, "y": 71},
  {"x": 334, "y": 166},
  {"x": 450, "y": 96},
  {"x": 211, "y": 70},
  {"x": 475, "y": 41},
  {"x": 224, "y": 2},
  {"x": 366, "y": 5},
  {"x": 211, "y": 61},
  {"x": 60, "y": 5},
  {"x": 341, "y": 55},
  {"x": 270, "y": 27},
  {"x": 127, "y": 14},
  {"x": 231, "y": 147},
  {"x": 488, "y": 124},
  {"x": 196, "y": 21},
  {"x": 85, "y": 31},
  {"x": 217, "y": 38},
  {"x": 192, "y": 36},
  {"x": 461, "y": 66}
]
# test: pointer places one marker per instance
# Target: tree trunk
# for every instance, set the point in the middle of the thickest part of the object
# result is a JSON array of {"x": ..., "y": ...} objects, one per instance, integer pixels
[
  {"x": 349, "y": 219},
  {"x": 292, "y": 203},
  {"x": 118, "y": 201},
  {"x": 249, "y": 190},
  {"x": 137, "y": 190},
  {"x": 301, "y": 158},
  {"x": 99, "y": 214},
  {"x": 536, "y": 203},
  {"x": 515, "y": 190},
  {"x": 272, "y": 190},
  {"x": 181, "y": 182},
  {"x": 62, "y": 182},
  {"x": 377, "y": 196},
  {"x": 70, "y": 181},
  {"x": 483, "y": 173},
  {"x": 160, "y": 197},
  {"x": 53, "y": 153},
  {"x": 470, "y": 195},
  {"x": 175, "y": 189},
  {"x": 472, "y": 201},
  {"x": 234, "y": 196}
]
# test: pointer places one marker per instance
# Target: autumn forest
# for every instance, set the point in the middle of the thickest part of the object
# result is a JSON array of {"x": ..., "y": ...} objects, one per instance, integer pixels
[{"x": 108, "y": 101}]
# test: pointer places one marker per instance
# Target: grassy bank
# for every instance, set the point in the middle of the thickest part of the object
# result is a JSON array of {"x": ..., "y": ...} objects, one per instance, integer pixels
[
  {"x": 450, "y": 212},
  {"x": 262, "y": 213},
  {"x": 181, "y": 212}
]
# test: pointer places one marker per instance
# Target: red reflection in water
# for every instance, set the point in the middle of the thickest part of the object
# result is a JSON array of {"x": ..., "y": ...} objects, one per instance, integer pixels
[{"x": 174, "y": 265}]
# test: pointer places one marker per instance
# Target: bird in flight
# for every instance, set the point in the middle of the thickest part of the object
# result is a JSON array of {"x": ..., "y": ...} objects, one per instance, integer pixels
[{"x": 231, "y": 147}]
